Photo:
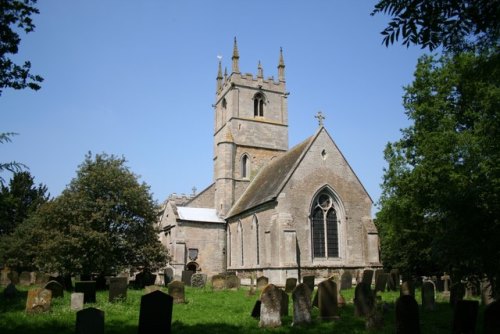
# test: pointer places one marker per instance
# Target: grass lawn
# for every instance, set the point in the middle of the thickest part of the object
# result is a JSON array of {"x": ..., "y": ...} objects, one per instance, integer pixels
[{"x": 206, "y": 312}]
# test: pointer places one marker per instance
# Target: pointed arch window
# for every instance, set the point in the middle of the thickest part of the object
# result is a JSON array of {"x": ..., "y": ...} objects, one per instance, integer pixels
[
  {"x": 255, "y": 224},
  {"x": 245, "y": 166},
  {"x": 325, "y": 237},
  {"x": 258, "y": 105},
  {"x": 240, "y": 237}
]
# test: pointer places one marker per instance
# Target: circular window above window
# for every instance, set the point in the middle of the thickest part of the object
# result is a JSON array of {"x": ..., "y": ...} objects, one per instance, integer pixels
[{"x": 324, "y": 201}]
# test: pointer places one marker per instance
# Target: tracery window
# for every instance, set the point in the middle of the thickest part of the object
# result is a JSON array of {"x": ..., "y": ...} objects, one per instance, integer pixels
[
  {"x": 325, "y": 238},
  {"x": 258, "y": 105}
]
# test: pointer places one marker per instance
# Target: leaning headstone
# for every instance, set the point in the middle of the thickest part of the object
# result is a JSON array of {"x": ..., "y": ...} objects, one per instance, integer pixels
[
  {"x": 290, "y": 284},
  {"x": 346, "y": 280},
  {"x": 256, "y": 310},
  {"x": 491, "y": 323},
  {"x": 10, "y": 292},
  {"x": 39, "y": 300},
  {"x": 56, "y": 288},
  {"x": 13, "y": 277},
  {"x": 364, "y": 302},
  {"x": 457, "y": 292},
  {"x": 176, "y": 290},
  {"x": 407, "y": 317},
  {"x": 218, "y": 282},
  {"x": 393, "y": 280},
  {"x": 309, "y": 281},
  {"x": 327, "y": 300},
  {"x": 25, "y": 278},
  {"x": 199, "y": 280},
  {"x": 367, "y": 277},
  {"x": 88, "y": 289},
  {"x": 301, "y": 297},
  {"x": 90, "y": 321},
  {"x": 407, "y": 288},
  {"x": 270, "y": 308},
  {"x": 284, "y": 303},
  {"x": 117, "y": 289},
  {"x": 186, "y": 277},
  {"x": 155, "y": 315},
  {"x": 465, "y": 316},
  {"x": 168, "y": 276},
  {"x": 486, "y": 292},
  {"x": 381, "y": 282},
  {"x": 76, "y": 301},
  {"x": 233, "y": 282},
  {"x": 262, "y": 282},
  {"x": 428, "y": 296}
]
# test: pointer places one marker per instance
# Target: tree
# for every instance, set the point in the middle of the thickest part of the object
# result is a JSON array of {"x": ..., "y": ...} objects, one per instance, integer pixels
[
  {"x": 453, "y": 24},
  {"x": 5, "y": 137},
  {"x": 102, "y": 222},
  {"x": 440, "y": 206},
  {"x": 15, "y": 15}
]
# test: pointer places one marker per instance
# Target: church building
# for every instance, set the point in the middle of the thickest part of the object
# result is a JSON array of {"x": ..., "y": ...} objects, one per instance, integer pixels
[{"x": 271, "y": 210}]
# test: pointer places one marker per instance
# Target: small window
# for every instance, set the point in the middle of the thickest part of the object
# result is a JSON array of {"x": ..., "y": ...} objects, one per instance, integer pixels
[
  {"x": 224, "y": 103},
  {"x": 245, "y": 166},
  {"x": 258, "y": 105}
]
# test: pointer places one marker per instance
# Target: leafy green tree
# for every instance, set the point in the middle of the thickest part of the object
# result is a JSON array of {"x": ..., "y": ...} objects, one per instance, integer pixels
[
  {"x": 5, "y": 137},
  {"x": 440, "y": 206},
  {"x": 453, "y": 24},
  {"x": 16, "y": 15},
  {"x": 102, "y": 222}
]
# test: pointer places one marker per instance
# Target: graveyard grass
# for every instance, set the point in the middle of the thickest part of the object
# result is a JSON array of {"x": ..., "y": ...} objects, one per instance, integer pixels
[{"x": 207, "y": 311}]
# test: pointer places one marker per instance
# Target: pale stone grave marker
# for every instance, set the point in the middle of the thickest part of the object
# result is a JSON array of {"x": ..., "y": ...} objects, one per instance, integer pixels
[
  {"x": 327, "y": 300},
  {"x": 290, "y": 284},
  {"x": 270, "y": 308},
  {"x": 25, "y": 278},
  {"x": 262, "y": 282},
  {"x": 428, "y": 296},
  {"x": 151, "y": 288},
  {"x": 13, "y": 277},
  {"x": 446, "y": 283},
  {"x": 176, "y": 290},
  {"x": 492, "y": 318},
  {"x": 117, "y": 289},
  {"x": 155, "y": 314},
  {"x": 90, "y": 321},
  {"x": 41, "y": 278},
  {"x": 346, "y": 280},
  {"x": 88, "y": 289},
  {"x": 367, "y": 277},
  {"x": 309, "y": 281},
  {"x": 218, "y": 282},
  {"x": 39, "y": 300},
  {"x": 407, "y": 288},
  {"x": 233, "y": 282},
  {"x": 363, "y": 300},
  {"x": 301, "y": 297},
  {"x": 76, "y": 301},
  {"x": 465, "y": 316},
  {"x": 56, "y": 288},
  {"x": 199, "y": 280},
  {"x": 4, "y": 276},
  {"x": 486, "y": 292},
  {"x": 407, "y": 316}
]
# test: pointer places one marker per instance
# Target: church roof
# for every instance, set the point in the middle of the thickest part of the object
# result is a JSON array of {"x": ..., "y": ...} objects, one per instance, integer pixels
[
  {"x": 271, "y": 179},
  {"x": 198, "y": 214}
]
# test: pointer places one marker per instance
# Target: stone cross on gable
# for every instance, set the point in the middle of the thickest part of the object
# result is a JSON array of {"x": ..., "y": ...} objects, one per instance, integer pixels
[{"x": 320, "y": 118}]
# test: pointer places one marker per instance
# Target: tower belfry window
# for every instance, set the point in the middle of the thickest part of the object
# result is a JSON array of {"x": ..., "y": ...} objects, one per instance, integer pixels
[
  {"x": 258, "y": 105},
  {"x": 245, "y": 166}
]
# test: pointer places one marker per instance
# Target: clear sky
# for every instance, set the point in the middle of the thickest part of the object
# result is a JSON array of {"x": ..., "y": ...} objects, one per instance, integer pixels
[{"x": 137, "y": 79}]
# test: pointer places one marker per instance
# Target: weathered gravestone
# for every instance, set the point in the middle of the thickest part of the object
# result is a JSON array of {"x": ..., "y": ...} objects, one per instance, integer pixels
[
  {"x": 117, "y": 289},
  {"x": 367, "y": 277},
  {"x": 256, "y": 309},
  {"x": 407, "y": 288},
  {"x": 491, "y": 323},
  {"x": 407, "y": 317},
  {"x": 218, "y": 282},
  {"x": 270, "y": 308},
  {"x": 41, "y": 278},
  {"x": 56, "y": 288},
  {"x": 486, "y": 292},
  {"x": 143, "y": 279},
  {"x": 186, "y": 277},
  {"x": 4, "y": 276},
  {"x": 233, "y": 282},
  {"x": 176, "y": 290},
  {"x": 301, "y": 297},
  {"x": 13, "y": 277},
  {"x": 284, "y": 303},
  {"x": 364, "y": 302},
  {"x": 465, "y": 316},
  {"x": 327, "y": 300},
  {"x": 10, "y": 291},
  {"x": 428, "y": 296},
  {"x": 393, "y": 280},
  {"x": 76, "y": 301},
  {"x": 446, "y": 283},
  {"x": 457, "y": 292},
  {"x": 376, "y": 273},
  {"x": 290, "y": 284},
  {"x": 309, "y": 281},
  {"x": 25, "y": 278},
  {"x": 346, "y": 280},
  {"x": 199, "y": 280},
  {"x": 155, "y": 315},
  {"x": 90, "y": 321},
  {"x": 88, "y": 290},
  {"x": 262, "y": 282},
  {"x": 168, "y": 276},
  {"x": 381, "y": 282},
  {"x": 39, "y": 300}
]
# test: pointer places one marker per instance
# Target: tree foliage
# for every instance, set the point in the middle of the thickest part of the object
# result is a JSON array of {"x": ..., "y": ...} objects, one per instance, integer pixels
[
  {"x": 440, "y": 206},
  {"x": 16, "y": 15},
  {"x": 453, "y": 24},
  {"x": 5, "y": 137}
]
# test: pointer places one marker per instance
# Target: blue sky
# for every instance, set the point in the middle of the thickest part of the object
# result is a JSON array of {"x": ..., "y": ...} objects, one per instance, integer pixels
[{"x": 137, "y": 78}]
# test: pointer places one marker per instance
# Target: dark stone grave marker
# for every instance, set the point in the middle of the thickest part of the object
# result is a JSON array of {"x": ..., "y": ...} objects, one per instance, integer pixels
[
  {"x": 290, "y": 284},
  {"x": 407, "y": 316},
  {"x": 168, "y": 276},
  {"x": 457, "y": 292},
  {"x": 90, "y": 321},
  {"x": 491, "y": 323},
  {"x": 199, "y": 280},
  {"x": 367, "y": 277},
  {"x": 393, "y": 280},
  {"x": 56, "y": 288},
  {"x": 465, "y": 316},
  {"x": 381, "y": 282},
  {"x": 256, "y": 309},
  {"x": 327, "y": 300},
  {"x": 186, "y": 277},
  {"x": 346, "y": 280},
  {"x": 117, "y": 289},
  {"x": 88, "y": 289},
  {"x": 428, "y": 296},
  {"x": 284, "y": 303},
  {"x": 364, "y": 302},
  {"x": 301, "y": 297},
  {"x": 309, "y": 281},
  {"x": 155, "y": 315}
]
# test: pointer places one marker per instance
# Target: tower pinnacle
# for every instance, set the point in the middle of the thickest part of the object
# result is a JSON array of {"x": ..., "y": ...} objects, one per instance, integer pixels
[
  {"x": 219, "y": 76},
  {"x": 236, "y": 58},
  {"x": 281, "y": 67},
  {"x": 260, "y": 71}
]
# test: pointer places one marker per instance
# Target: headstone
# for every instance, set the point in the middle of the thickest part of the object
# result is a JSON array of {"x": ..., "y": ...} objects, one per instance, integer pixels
[
  {"x": 150, "y": 288},
  {"x": 10, "y": 292},
  {"x": 59, "y": 279},
  {"x": 407, "y": 288},
  {"x": 309, "y": 281},
  {"x": 407, "y": 317},
  {"x": 381, "y": 282},
  {"x": 491, "y": 324},
  {"x": 233, "y": 282},
  {"x": 262, "y": 282},
  {"x": 41, "y": 278},
  {"x": 100, "y": 283},
  {"x": 13, "y": 277},
  {"x": 38, "y": 301},
  {"x": 428, "y": 296},
  {"x": 68, "y": 282},
  {"x": 465, "y": 316},
  {"x": 393, "y": 280},
  {"x": 88, "y": 289},
  {"x": 284, "y": 303},
  {"x": 168, "y": 275},
  {"x": 155, "y": 315},
  {"x": 327, "y": 300},
  {"x": 364, "y": 301},
  {"x": 256, "y": 309},
  {"x": 90, "y": 321},
  {"x": 176, "y": 290},
  {"x": 218, "y": 282},
  {"x": 376, "y": 273},
  {"x": 270, "y": 308},
  {"x": 25, "y": 278},
  {"x": 346, "y": 280},
  {"x": 199, "y": 280},
  {"x": 186, "y": 277},
  {"x": 117, "y": 289},
  {"x": 143, "y": 279},
  {"x": 56, "y": 288},
  {"x": 290, "y": 284},
  {"x": 301, "y": 297},
  {"x": 457, "y": 292},
  {"x": 486, "y": 292},
  {"x": 367, "y": 277},
  {"x": 76, "y": 301},
  {"x": 4, "y": 276},
  {"x": 439, "y": 283},
  {"x": 446, "y": 283}
]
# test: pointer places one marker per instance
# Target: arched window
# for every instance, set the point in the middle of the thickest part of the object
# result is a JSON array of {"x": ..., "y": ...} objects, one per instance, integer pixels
[
  {"x": 255, "y": 225},
  {"x": 258, "y": 105},
  {"x": 325, "y": 236},
  {"x": 240, "y": 240},
  {"x": 245, "y": 167}
]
